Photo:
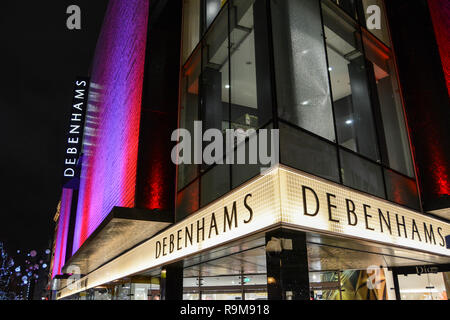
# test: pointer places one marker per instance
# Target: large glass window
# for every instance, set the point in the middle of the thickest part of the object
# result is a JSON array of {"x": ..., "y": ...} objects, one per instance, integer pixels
[
  {"x": 302, "y": 86},
  {"x": 350, "y": 86},
  {"x": 334, "y": 83},
  {"x": 189, "y": 113},
  {"x": 394, "y": 138},
  {"x": 225, "y": 85},
  {"x": 198, "y": 15},
  {"x": 245, "y": 112}
]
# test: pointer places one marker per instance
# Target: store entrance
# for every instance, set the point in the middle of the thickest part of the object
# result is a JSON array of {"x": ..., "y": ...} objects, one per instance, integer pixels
[
  {"x": 234, "y": 273},
  {"x": 423, "y": 282},
  {"x": 367, "y": 272}
]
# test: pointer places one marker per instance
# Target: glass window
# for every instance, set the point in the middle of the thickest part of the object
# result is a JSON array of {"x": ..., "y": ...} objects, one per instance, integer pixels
[
  {"x": 191, "y": 27},
  {"x": 188, "y": 200},
  {"x": 308, "y": 153},
  {"x": 234, "y": 275},
  {"x": 350, "y": 87},
  {"x": 215, "y": 183},
  {"x": 212, "y": 8},
  {"x": 361, "y": 174},
  {"x": 246, "y": 111},
  {"x": 302, "y": 85},
  {"x": 215, "y": 83},
  {"x": 242, "y": 173},
  {"x": 395, "y": 139},
  {"x": 401, "y": 190},
  {"x": 189, "y": 113},
  {"x": 349, "y": 6}
]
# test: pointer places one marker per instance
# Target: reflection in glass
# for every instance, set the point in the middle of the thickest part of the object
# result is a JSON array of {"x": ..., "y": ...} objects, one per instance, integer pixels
[
  {"x": 350, "y": 87},
  {"x": 305, "y": 152},
  {"x": 349, "y": 6},
  {"x": 214, "y": 184},
  {"x": 233, "y": 277},
  {"x": 189, "y": 112},
  {"x": 401, "y": 190},
  {"x": 302, "y": 86},
  {"x": 191, "y": 27},
  {"x": 244, "y": 102},
  {"x": 188, "y": 200},
  {"x": 392, "y": 116}
]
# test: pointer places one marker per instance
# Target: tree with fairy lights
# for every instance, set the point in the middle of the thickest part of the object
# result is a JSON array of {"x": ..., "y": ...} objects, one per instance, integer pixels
[
  {"x": 18, "y": 277},
  {"x": 6, "y": 274}
]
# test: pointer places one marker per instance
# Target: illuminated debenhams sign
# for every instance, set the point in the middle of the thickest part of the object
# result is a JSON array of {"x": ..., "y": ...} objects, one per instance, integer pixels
[
  {"x": 282, "y": 197},
  {"x": 76, "y": 126},
  {"x": 369, "y": 217},
  {"x": 202, "y": 229},
  {"x": 313, "y": 205}
]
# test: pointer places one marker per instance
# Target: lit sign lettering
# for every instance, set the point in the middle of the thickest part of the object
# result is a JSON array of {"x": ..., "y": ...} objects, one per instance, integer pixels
[
  {"x": 76, "y": 127},
  {"x": 281, "y": 197},
  {"x": 199, "y": 230}
]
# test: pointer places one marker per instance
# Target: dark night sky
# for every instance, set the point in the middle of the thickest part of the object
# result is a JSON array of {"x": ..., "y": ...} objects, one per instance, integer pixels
[{"x": 40, "y": 58}]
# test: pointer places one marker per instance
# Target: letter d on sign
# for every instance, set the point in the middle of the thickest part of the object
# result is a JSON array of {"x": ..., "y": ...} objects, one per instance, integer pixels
[
  {"x": 158, "y": 249},
  {"x": 305, "y": 202},
  {"x": 69, "y": 173}
]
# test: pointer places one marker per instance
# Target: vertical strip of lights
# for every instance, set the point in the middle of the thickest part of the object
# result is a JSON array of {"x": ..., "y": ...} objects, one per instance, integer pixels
[
  {"x": 63, "y": 230},
  {"x": 110, "y": 147}
]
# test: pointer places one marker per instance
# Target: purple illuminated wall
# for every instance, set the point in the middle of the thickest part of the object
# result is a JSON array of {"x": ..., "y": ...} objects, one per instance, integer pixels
[
  {"x": 61, "y": 235},
  {"x": 108, "y": 176}
]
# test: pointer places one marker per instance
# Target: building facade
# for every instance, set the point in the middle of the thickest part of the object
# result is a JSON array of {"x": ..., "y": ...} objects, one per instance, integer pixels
[{"x": 342, "y": 94}]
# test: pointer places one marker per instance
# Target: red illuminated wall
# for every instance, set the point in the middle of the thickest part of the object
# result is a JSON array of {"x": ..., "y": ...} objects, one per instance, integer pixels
[
  {"x": 420, "y": 33},
  {"x": 440, "y": 14},
  {"x": 108, "y": 176}
]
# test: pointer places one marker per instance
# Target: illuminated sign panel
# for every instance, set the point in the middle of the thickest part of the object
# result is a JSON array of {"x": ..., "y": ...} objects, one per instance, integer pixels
[
  {"x": 287, "y": 197},
  {"x": 76, "y": 126},
  {"x": 314, "y": 204}
]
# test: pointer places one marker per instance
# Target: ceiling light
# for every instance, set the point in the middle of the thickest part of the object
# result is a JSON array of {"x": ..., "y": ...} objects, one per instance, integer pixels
[
  {"x": 349, "y": 122},
  {"x": 227, "y": 86}
]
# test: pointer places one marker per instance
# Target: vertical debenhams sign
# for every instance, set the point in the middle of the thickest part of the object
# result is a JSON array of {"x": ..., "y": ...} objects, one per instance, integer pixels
[{"x": 76, "y": 127}]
